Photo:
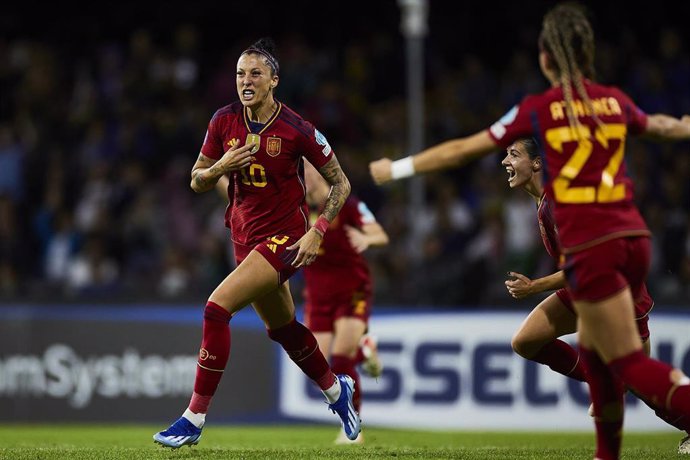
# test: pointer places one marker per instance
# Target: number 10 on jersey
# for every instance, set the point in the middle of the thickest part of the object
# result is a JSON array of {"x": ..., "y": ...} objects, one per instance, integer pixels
[{"x": 254, "y": 175}]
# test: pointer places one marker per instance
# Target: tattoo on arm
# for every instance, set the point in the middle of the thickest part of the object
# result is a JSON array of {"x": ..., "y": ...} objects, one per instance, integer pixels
[
  {"x": 204, "y": 164},
  {"x": 198, "y": 179},
  {"x": 340, "y": 188}
]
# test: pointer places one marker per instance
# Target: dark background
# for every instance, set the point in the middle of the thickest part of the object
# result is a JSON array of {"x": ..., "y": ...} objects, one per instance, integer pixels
[{"x": 104, "y": 106}]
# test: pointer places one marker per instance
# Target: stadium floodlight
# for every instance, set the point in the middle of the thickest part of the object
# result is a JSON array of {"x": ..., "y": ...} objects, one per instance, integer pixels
[
  {"x": 414, "y": 28},
  {"x": 414, "y": 19}
]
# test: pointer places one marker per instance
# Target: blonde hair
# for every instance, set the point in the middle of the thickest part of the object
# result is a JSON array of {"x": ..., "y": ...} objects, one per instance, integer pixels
[{"x": 568, "y": 39}]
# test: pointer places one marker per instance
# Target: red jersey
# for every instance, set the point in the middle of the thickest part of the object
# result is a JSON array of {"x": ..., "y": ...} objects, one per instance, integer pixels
[
  {"x": 585, "y": 173},
  {"x": 338, "y": 267},
  {"x": 547, "y": 228},
  {"x": 267, "y": 198}
]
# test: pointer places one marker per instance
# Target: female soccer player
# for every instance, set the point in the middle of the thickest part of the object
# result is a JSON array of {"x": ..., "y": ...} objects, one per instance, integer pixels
[
  {"x": 338, "y": 287},
  {"x": 582, "y": 127},
  {"x": 259, "y": 143},
  {"x": 537, "y": 337}
]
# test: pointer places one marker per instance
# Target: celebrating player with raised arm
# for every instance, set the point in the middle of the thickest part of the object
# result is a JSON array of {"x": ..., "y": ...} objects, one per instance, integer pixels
[
  {"x": 260, "y": 144},
  {"x": 581, "y": 127}
]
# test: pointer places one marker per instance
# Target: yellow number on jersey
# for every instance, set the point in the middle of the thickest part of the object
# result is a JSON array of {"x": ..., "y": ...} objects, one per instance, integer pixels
[
  {"x": 607, "y": 191},
  {"x": 254, "y": 175}
]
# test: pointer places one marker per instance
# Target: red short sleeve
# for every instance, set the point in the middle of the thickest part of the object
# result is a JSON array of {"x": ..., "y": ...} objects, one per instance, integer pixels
[
  {"x": 315, "y": 147},
  {"x": 213, "y": 142}
]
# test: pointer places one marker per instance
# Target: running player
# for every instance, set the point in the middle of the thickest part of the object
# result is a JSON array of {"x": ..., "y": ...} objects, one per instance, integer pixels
[
  {"x": 537, "y": 337},
  {"x": 259, "y": 143},
  {"x": 581, "y": 127}
]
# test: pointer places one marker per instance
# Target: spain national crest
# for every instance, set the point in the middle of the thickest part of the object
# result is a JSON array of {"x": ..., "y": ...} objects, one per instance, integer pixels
[{"x": 273, "y": 146}]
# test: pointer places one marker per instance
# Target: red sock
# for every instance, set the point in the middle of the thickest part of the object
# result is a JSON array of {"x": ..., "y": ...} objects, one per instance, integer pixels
[
  {"x": 606, "y": 391},
  {"x": 213, "y": 356},
  {"x": 302, "y": 348},
  {"x": 651, "y": 379},
  {"x": 562, "y": 358},
  {"x": 680, "y": 421},
  {"x": 341, "y": 364}
]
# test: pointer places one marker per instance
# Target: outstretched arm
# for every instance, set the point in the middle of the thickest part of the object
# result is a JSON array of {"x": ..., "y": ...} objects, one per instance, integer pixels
[
  {"x": 666, "y": 127},
  {"x": 449, "y": 154},
  {"x": 308, "y": 245}
]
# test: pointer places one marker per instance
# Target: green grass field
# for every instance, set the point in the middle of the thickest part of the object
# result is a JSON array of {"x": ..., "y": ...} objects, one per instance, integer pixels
[{"x": 129, "y": 442}]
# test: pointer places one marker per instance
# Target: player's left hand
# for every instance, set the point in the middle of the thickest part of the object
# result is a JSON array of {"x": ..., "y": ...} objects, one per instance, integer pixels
[
  {"x": 520, "y": 287},
  {"x": 307, "y": 248},
  {"x": 358, "y": 240},
  {"x": 380, "y": 170}
]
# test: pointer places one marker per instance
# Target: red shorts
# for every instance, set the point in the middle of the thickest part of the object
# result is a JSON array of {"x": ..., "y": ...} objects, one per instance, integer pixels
[
  {"x": 320, "y": 316},
  {"x": 643, "y": 306},
  {"x": 601, "y": 271},
  {"x": 274, "y": 250}
]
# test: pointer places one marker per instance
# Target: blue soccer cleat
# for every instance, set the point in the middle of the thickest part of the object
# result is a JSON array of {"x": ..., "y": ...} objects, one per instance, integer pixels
[
  {"x": 345, "y": 409},
  {"x": 181, "y": 433}
]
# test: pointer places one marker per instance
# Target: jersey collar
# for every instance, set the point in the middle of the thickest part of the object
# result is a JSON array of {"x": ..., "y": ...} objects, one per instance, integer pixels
[{"x": 268, "y": 123}]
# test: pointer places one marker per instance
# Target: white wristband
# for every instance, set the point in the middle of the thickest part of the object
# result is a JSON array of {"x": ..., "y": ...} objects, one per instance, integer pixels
[{"x": 402, "y": 168}]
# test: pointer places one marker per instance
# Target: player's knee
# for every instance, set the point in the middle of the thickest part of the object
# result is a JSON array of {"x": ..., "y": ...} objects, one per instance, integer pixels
[
  {"x": 284, "y": 332},
  {"x": 678, "y": 378},
  {"x": 522, "y": 345}
]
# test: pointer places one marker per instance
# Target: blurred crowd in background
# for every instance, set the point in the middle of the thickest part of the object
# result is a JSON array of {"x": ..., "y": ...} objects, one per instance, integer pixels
[{"x": 97, "y": 142}]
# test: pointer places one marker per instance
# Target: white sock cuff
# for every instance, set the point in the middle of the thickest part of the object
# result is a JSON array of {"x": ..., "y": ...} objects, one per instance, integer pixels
[
  {"x": 197, "y": 420},
  {"x": 333, "y": 393}
]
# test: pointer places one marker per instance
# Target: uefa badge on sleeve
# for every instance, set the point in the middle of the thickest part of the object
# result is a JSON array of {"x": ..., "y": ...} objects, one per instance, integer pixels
[{"x": 273, "y": 146}]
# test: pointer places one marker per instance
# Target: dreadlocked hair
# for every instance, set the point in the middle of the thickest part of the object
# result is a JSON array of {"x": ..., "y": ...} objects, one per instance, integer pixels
[{"x": 567, "y": 37}]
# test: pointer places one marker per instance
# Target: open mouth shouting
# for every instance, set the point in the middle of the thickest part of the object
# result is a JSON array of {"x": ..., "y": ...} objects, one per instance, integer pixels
[{"x": 512, "y": 175}]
